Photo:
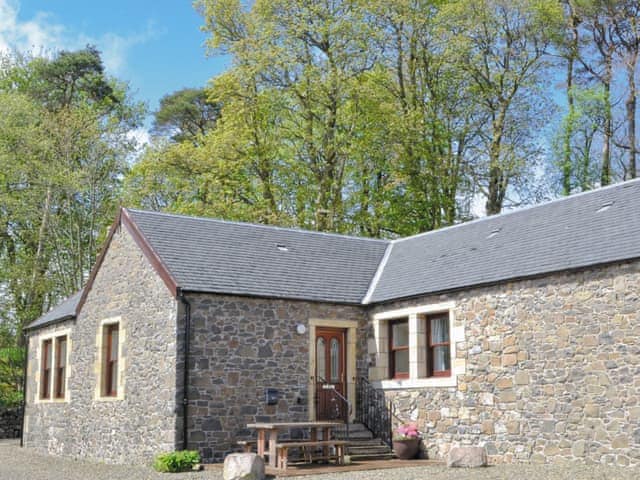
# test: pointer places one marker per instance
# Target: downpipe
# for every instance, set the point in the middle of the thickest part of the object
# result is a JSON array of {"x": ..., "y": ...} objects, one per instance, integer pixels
[{"x": 185, "y": 378}]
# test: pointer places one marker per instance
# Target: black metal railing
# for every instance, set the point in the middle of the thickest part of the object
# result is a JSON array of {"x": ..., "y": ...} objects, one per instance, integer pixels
[{"x": 374, "y": 410}]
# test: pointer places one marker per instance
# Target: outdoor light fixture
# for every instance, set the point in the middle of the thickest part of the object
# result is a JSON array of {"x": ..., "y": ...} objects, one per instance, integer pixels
[{"x": 301, "y": 329}]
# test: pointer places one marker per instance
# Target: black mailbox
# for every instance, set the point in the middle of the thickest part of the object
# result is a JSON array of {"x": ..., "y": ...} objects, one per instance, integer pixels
[{"x": 271, "y": 396}]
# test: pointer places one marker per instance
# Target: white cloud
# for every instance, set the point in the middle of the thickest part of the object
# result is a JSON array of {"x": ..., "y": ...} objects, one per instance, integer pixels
[
  {"x": 41, "y": 35},
  {"x": 36, "y": 34}
]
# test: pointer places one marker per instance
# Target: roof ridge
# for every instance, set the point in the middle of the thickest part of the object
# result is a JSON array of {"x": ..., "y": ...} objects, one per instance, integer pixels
[
  {"x": 259, "y": 225},
  {"x": 376, "y": 276},
  {"x": 623, "y": 184}
]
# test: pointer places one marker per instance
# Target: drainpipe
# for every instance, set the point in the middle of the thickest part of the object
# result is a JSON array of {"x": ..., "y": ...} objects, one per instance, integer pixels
[
  {"x": 185, "y": 378},
  {"x": 24, "y": 386}
]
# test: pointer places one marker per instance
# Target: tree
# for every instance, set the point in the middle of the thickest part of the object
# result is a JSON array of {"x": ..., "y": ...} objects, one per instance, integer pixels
[
  {"x": 64, "y": 144},
  {"x": 434, "y": 128},
  {"x": 627, "y": 34},
  {"x": 186, "y": 115},
  {"x": 501, "y": 46}
]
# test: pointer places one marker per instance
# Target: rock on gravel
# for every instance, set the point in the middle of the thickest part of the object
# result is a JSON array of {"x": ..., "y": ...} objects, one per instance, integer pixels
[
  {"x": 467, "y": 457},
  {"x": 243, "y": 466}
]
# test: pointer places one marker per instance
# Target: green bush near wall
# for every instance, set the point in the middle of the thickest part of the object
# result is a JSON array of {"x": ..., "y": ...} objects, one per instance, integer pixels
[
  {"x": 11, "y": 369},
  {"x": 173, "y": 462}
]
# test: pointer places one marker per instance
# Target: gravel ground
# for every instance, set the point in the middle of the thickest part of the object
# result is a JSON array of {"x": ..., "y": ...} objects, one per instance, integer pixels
[{"x": 21, "y": 464}]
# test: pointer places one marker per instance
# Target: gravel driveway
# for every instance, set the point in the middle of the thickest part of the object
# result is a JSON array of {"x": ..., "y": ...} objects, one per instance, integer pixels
[{"x": 21, "y": 464}]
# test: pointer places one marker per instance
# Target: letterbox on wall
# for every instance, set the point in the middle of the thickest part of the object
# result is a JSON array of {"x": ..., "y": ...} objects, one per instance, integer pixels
[{"x": 271, "y": 396}]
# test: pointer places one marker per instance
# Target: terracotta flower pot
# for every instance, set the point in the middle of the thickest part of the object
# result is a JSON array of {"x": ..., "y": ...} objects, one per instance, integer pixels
[{"x": 406, "y": 449}]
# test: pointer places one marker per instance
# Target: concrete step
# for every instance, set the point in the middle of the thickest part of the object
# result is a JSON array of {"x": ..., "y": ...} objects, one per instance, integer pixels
[
  {"x": 373, "y": 442},
  {"x": 367, "y": 457},
  {"x": 379, "y": 450},
  {"x": 353, "y": 436}
]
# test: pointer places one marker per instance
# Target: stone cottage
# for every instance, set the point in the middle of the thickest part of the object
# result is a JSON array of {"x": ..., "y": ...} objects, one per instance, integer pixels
[{"x": 519, "y": 332}]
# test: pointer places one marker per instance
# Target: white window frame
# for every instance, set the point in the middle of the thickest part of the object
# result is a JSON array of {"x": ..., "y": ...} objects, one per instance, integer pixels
[
  {"x": 417, "y": 316},
  {"x": 52, "y": 380}
]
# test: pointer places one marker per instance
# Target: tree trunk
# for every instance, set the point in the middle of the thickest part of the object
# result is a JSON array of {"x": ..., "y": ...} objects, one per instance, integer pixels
[
  {"x": 567, "y": 163},
  {"x": 497, "y": 181},
  {"x": 568, "y": 134},
  {"x": 605, "y": 177},
  {"x": 631, "y": 105}
]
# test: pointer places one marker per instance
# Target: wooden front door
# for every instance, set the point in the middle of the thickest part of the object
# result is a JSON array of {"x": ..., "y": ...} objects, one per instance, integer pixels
[{"x": 331, "y": 386}]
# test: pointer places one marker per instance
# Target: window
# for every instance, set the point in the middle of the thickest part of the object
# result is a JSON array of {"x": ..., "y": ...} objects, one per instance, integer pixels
[
  {"x": 399, "y": 349},
  {"x": 415, "y": 347},
  {"x": 45, "y": 374},
  {"x": 110, "y": 365},
  {"x": 61, "y": 367},
  {"x": 438, "y": 346}
]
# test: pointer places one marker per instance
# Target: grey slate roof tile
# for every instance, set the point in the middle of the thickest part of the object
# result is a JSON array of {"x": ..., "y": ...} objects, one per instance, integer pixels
[
  {"x": 586, "y": 229},
  {"x": 244, "y": 259},
  {"x": 63, "y": 311},
  {"x": 217, "y": 256}
]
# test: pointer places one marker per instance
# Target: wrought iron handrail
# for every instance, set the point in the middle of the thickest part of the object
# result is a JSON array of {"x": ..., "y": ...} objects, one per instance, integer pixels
[{"x": 373, "y": 410}]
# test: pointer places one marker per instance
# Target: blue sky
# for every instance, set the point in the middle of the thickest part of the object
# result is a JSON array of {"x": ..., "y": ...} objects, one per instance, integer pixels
[{"x": 156, "y": 46}]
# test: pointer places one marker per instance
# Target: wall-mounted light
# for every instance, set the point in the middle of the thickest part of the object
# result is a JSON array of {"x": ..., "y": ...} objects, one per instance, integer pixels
[{"x": 301, "y": 329}]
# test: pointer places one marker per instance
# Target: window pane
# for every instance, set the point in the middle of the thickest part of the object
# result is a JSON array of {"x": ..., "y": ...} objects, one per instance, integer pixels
[
  {"x": 441, "y": 359},
  {"x": 48, "y": 353},
  {"x": 400, "y": 334},
  {"x": 440, "y": 330},
  {"x": 321, "y": 360},
  {"x": 114, "y": 378},
  {"x": 335, "y": 360},
  {"x": 114, "y": 344},
  {"x": 62, "y": 352},
  {"x": 401, "y": 361},
  {"x": 61, "y": 382}
]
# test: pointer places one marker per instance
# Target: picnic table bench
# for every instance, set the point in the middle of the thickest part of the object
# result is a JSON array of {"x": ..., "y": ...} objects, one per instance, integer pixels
[
  {"x": 282, "y": 451},
  {"x": 267, "y": 442}
]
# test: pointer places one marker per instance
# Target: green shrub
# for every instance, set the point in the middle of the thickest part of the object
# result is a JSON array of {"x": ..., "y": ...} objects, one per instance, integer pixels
[
  {"x": 11, "y": 368},
  {"x": 182, "y": 461}
]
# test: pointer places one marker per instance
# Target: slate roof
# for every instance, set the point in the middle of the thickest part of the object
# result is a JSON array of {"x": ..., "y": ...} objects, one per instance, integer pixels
[
  {"x": 207, "y": 255},
  {"x": 586, "y": 229},
  {"x": 217, "y": 256},
  {"x": 63, "y": 311}
]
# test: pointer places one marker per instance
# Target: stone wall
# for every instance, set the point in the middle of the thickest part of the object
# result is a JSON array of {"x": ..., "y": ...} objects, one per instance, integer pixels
[
  {"x": 141, "y": 424},
  {"x": 10, "y": 422},
  {"x": 241, "y": 346},
  {"x": 552, "y": 371}
]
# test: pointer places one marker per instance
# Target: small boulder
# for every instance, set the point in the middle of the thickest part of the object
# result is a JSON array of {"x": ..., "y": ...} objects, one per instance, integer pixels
[
  {"x": 243, "y": 466},
  {"x": 467, "y": 457}
]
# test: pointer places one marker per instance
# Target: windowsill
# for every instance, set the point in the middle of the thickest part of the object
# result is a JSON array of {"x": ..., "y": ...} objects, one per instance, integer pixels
[
  {"x": 49, "y": 400},
  {"x": 394, "y": 384},
  {"x": 109, "y": 399}
]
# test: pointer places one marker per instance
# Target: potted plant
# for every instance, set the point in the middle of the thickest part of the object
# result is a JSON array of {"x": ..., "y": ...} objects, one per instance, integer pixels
[{"x": 406, "y": 441}]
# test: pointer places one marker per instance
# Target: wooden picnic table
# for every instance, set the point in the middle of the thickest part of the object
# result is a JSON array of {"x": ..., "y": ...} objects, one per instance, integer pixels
[{"x": 268, "y": 434}]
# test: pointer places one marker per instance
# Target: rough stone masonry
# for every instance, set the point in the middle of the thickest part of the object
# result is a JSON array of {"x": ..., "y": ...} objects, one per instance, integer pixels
[{"x": 553, "y": 371}]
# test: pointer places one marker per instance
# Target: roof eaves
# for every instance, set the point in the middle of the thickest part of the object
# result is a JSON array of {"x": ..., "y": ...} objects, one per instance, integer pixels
[
  {"x": 64, "y": 318},
  {"x": 238, "y": 293}
]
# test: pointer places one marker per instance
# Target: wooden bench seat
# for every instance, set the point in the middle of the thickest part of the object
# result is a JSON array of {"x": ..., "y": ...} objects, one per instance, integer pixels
[{"x": 282, "y": 450}]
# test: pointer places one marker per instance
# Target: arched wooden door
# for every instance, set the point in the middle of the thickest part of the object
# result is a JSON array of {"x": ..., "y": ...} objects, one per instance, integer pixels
[{"x": 331, "y": 375}]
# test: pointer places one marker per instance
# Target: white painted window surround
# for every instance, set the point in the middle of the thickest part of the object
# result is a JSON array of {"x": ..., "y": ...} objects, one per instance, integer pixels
[{"x": 379, "y": 374}]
